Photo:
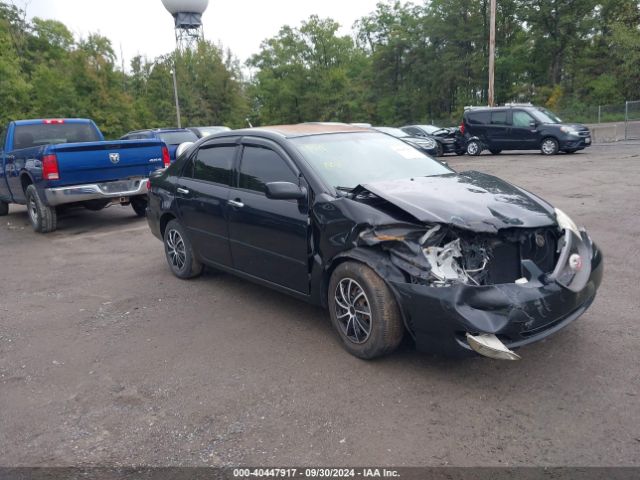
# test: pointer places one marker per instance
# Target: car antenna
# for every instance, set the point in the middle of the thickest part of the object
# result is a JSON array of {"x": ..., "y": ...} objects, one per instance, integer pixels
[{"x": 249, "y": 122}]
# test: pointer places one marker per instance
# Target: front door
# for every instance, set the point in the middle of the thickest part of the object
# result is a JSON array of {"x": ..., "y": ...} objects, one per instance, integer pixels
[
  {"x": 202, "y": 193},
  {"x": 524, "y": 132},
  {"x": 269, "y": 238}
]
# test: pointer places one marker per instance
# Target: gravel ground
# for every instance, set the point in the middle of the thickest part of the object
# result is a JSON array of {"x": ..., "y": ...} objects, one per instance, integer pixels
[{"x": 107, "y": 359}]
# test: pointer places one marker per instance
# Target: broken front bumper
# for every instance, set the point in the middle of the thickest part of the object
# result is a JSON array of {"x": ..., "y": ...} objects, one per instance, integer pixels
[{"x": 518, "y": 314}]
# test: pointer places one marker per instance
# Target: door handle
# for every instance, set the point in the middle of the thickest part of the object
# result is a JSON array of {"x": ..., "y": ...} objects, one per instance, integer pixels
[
  {"x": 183, "y": 191},
  {"x": 235, "y": 203}
]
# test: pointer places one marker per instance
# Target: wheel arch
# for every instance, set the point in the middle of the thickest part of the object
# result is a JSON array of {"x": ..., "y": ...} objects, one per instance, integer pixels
[
  {"x": 377, "y": 262},
  {"x": 164, "y": 220}
]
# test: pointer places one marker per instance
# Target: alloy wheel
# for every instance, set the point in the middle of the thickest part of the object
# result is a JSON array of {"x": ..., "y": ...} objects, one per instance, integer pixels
[
  {"x": 353, "y": 310},
  {"x": 176, "y": 249}
]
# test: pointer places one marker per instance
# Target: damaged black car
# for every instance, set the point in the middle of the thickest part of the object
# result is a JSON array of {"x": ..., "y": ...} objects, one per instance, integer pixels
[{"x": 390, "y": 241}]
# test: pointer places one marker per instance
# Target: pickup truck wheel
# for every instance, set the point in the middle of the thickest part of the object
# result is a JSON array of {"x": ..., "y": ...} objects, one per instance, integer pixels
[
  {"x": 179, "y": 252},
  {"x": 4, "y": 208},
  {"x": 44, "y": 219},
  {"x": 139, "y": 206},
  {"x": 363, "y": 311}
]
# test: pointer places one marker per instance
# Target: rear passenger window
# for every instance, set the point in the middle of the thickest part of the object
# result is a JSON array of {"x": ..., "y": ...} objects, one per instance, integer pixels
[
  {"x": 214, "y": 163},
  {"x": 478, "y": 118},
  {"x": 260, "y": 166},
  {"x": 499, "y": 118}
]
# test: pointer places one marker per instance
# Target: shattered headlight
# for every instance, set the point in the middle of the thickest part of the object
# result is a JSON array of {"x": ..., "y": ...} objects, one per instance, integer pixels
[{"x": 565, "y": 222}]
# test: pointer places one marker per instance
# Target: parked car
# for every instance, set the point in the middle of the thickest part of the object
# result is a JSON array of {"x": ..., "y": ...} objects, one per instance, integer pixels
[
  {"x": 521, "y": 127},
  {"x": 425, "y": 144},
  {"x": 202, "y": 132},
  {"x": 50, "y": 163},
  {"x": 449, "y": 140},
  {"x": 385, "y": 237},
  {"x": 172, "y": 137}
]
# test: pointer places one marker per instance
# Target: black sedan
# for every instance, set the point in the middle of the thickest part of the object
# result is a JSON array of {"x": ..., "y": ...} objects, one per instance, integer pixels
[
  {"x": 425, "y": 144},
  {"x": 449, "y": 140},
  {"x": 388, "y": 239}
]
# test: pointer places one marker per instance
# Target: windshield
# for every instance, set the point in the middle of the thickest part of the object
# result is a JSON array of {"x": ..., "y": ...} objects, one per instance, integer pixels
[
  {"x": 27, "y": 136},
  {"x": 545, "y": 116},
  {"x": 396, "y": 132},
  {"x": 206, "y": 131},
  {"x": 176, "y": 138},
  {"x": 347, "y": 160}
]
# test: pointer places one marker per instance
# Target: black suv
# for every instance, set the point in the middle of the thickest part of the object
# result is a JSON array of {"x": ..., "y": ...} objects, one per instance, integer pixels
[{"x": 520, "y": 127}]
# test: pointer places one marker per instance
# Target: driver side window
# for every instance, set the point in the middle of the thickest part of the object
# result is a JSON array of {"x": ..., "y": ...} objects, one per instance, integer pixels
[
  {"x": 521, "y": 119},
  {"x": 260, "y": 166}
]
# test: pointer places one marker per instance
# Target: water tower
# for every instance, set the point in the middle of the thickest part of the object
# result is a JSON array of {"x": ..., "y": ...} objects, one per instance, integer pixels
[{"x": 188, "y": 20}]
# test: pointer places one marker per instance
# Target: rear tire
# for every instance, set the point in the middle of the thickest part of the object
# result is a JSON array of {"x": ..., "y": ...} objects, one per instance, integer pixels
[
  {"x": 44, "y": 219},
  {"x": 474, "y": 148},
  {"x": 4, "y": 209},
  {"x": 179, "y": 252},
  {"x": 139, "y": 206},
  {"x": 363, "y": 311},
  {"x": 549, "y": 146}
]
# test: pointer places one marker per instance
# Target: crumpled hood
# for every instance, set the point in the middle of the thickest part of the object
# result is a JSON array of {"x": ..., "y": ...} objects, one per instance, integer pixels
[{"x": 469, "y": 200}]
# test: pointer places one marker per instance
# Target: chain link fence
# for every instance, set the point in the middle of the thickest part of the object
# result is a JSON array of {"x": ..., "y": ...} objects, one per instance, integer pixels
[{"x": 626, "y": 115}]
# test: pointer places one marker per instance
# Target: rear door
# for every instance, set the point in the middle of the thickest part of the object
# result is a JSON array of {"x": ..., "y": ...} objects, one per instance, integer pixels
[
  {"x": 524, "y": 132},
  {"x": 498, "y": 130},
  {"x": 202, "y": 193},
  {"x": 269, "y": 238}
]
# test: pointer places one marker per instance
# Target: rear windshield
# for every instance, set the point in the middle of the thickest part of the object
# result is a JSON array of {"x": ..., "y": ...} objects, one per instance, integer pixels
[
  {"x": 176, "y": 138},
  {"x": 27, "y": 136}
]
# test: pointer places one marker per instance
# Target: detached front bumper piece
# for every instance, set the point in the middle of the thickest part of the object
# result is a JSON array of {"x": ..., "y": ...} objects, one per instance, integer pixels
[
  {"x": 96, "y": 191},
  {"x": 516, "y": 313}
]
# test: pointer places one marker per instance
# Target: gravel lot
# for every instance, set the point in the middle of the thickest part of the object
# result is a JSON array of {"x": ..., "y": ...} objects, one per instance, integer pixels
[{"x": 107, "y": 359}]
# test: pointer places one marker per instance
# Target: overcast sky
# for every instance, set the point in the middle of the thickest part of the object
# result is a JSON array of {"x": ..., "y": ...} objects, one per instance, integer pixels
[{"x": 145, "y": 27}]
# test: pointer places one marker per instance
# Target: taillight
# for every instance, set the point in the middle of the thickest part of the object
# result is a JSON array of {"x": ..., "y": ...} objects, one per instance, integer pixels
[
  {"x": 166, "y": 159},
  {"x": 54, "y": 121},
  {"x": 148, "y": 185},
  {"x": 462, "y": 128},
  {"x": 50, "y": 167}
]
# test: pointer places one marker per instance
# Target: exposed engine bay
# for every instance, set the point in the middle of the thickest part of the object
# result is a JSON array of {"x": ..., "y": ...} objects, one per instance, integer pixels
[{"x": 443, "y": 256}]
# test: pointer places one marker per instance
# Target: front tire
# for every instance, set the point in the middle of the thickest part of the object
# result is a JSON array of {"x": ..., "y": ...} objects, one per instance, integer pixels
[
  {"x": 44, "y": 219},
  {"x": 139, "y": 206},
  {"x": 179, "y": 252},
  {"x": 363, "y": 311},
  {"x": 474, "y": 148},
  {"x": 549, "y": 146},
  {"x": 4, "y": 209},
  {"x": 439, "y": 149}
]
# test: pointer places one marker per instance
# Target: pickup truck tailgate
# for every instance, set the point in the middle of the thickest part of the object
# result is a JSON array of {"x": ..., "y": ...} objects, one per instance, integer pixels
[{"x": 80, "y": 163}]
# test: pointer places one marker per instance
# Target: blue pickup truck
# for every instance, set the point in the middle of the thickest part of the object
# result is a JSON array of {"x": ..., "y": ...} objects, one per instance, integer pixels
[{"x": 48, "y": 164}]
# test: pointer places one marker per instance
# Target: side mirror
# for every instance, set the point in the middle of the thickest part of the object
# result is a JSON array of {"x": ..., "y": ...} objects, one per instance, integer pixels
[
  {"x": 533, "y": 124},
  {"x": 284, "y": 191},
  {"x": 183, "y": 147}
]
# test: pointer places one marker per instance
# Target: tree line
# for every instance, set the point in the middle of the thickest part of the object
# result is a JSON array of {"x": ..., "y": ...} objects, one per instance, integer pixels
[{"x": 403, "y": 62}]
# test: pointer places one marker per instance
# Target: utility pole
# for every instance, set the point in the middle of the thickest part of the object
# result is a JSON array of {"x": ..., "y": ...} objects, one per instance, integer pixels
[
  {"x": 492, "y": 53},
  {"x": 175, "y": 91}
]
